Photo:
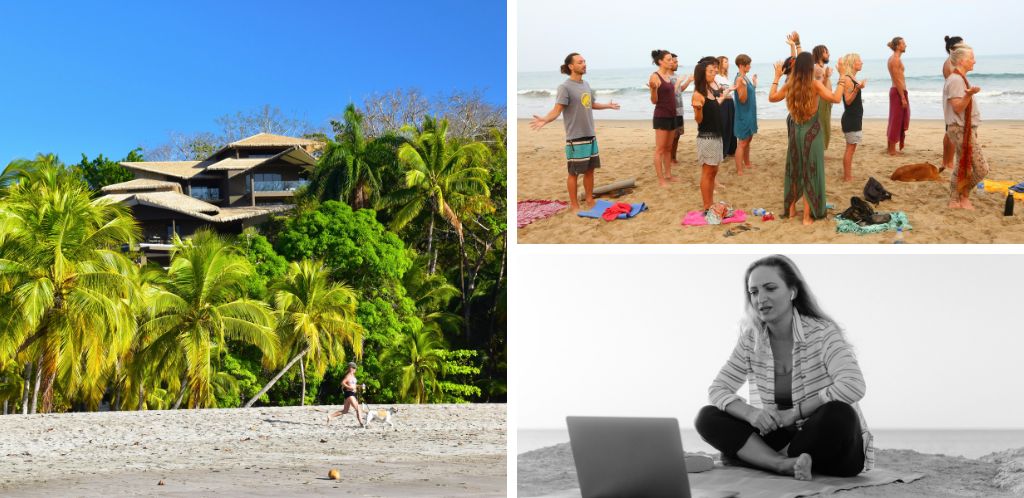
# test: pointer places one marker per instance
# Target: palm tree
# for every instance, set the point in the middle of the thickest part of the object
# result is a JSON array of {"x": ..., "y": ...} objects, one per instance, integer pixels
[
  {"x": 431, "y": 292},
  {"x": 352, "y": 167},
  {"x": 448, "y": 179},
  {"x": 202, "y": 306},
  {"x": 68, "y": 283},
  {"x": 420, "y": 364},
  {"x": 316, "y": 318}
]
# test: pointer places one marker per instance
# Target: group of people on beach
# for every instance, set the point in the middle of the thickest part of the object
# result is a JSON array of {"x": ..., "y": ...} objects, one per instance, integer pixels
[{"x": 726, "y": 114}]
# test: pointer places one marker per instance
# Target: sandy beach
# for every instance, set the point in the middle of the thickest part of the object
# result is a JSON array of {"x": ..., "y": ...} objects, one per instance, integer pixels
[
  {"x": 437, "y": 450},
  {"x": 627, "y": 152},
  {"x": 551, "y": 469}
]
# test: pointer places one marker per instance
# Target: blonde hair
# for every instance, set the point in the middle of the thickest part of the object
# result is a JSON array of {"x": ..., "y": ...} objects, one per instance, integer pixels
[
  {"x": 724, "y": 71},
  {"x": 801, "y": 97},
  {"x": 959, "y": 53},
  {"x": 847, "y": 62}
]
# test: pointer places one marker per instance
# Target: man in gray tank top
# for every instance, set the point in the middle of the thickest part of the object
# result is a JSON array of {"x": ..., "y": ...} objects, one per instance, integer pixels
[{"x": 575, "y": 102}]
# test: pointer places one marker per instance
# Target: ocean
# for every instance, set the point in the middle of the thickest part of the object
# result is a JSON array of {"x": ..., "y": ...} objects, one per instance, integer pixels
[
  {"x": 1001, "y": 79},
  {"x": 969, "y": 443}
]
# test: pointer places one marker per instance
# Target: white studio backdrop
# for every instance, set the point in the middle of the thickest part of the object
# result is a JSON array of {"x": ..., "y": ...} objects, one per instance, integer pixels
[{"x": 937, "y": 336}]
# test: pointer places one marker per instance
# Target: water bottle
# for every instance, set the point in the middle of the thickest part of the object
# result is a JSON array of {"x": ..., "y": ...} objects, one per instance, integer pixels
[
  {"x": 1008, "y": 209},
  {"x": 981, "y": 186},
  {"x": 758, "y": 211},
  {"x": 899, "y": 236}
]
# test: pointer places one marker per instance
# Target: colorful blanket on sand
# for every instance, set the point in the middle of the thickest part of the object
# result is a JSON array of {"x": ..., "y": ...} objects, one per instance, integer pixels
[
  {"x": 696, "y": 218},
  {"x": 602, "y": 205},
  {"x": 898, "y": 219},
  {"x": 530, "y": 211}
]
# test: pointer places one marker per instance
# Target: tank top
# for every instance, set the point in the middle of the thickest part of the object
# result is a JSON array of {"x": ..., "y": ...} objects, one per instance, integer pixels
[
  {"x": 853, "y": 114},
  {"x": 710, "y": 126},
  {"x": 666, "y": 106}
]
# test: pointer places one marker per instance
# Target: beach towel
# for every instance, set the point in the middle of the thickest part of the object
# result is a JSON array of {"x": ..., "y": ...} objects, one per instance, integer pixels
[
  {"x": 601, "y": 206},
  {"x": 530, "y": 211},
  {"x": 897, "y": 219},
  {"x": 615, "y": 210},
  {"x": 696, "y": 218},
  {"x": 899, "y": 117},
  {"x": 1002, "y": 187},
  {"x": 1018, "y": 188},
  {"x": 759, "y": 484}
]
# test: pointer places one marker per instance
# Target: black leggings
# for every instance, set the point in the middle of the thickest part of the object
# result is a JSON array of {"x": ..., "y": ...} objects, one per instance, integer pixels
[{"x": 831, "y": 435}]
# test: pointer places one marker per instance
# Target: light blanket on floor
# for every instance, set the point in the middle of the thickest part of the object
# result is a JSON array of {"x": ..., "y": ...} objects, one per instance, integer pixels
[{"x": 753, "y": 483}]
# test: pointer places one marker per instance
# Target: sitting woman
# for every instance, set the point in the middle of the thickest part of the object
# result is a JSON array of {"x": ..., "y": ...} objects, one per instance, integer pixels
[{"x": 804, "y": 383}]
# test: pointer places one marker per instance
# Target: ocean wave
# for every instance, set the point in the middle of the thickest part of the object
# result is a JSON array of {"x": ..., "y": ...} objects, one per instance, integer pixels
[
  {"x": 536, "y": 93},
  {"x": 972, "y": 77}
]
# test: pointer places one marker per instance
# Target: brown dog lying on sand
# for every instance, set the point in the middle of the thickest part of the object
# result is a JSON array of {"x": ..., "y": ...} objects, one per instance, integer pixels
[{"x": 917, "y": 173}]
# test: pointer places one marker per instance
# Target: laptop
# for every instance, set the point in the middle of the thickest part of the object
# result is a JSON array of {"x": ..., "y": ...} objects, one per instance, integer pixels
[{"x": 631, "y": 457}]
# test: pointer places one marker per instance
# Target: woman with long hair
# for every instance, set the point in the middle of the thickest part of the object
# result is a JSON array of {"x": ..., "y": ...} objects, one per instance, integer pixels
[
  {"x": 745, "y": 125},
  {"x": 663, "y": 96},
  {"x": 805, "y": 419},
  {"x": 853, "y": 109},
  {"x": 706, "y": 102},
  {"x": 805, "y": 154}
]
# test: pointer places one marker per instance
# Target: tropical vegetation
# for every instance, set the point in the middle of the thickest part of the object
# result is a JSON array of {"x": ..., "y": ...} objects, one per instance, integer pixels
[{"x": 395, "y": 257}]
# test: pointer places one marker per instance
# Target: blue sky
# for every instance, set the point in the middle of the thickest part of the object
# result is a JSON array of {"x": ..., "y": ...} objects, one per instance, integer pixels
[{"x": 105, "y": 77}]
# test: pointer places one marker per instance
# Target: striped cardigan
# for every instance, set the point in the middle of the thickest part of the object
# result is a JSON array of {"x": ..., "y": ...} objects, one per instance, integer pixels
[{"x": 823, "y": 365}]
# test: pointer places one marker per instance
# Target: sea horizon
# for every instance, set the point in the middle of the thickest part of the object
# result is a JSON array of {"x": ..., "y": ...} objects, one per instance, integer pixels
[
  {"x": 968, "y": 443},
  {"x": 1001, "y": 78}
]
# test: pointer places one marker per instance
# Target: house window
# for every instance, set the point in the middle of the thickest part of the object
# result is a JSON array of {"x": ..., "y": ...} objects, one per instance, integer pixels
[{"x": 268, "y": 182}]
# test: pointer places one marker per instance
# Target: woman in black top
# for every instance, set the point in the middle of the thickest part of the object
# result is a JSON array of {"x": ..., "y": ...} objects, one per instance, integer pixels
[
  {"x": 706, "y": 111},
  {"x": 853, "y": 110}
]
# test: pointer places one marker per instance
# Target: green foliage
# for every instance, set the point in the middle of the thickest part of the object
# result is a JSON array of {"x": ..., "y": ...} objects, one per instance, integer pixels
[
  {"x": 246, "y": 373},
  {"x": 101, "y": 171},
  {"x": 457, "y": 374},
  {"x": 268, "y": 264},
  {"x": 352, "y": 243}
]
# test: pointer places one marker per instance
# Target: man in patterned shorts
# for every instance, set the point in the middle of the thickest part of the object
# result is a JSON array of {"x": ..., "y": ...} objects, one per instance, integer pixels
[{"x": 576, "y": 100}]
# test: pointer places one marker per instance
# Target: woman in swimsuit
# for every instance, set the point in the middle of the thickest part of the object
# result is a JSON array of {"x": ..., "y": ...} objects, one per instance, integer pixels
[
  {"x": 349, "y": 386},
  {"x": 663, "y": 96}
]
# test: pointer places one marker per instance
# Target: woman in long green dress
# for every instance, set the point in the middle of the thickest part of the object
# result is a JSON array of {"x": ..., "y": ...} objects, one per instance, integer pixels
[{"x": 805, "y": 154}]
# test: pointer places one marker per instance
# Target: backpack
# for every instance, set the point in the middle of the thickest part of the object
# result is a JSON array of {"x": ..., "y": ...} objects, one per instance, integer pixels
[
  {"x": 861, "y": 213},
  {"x": 874, "y": 192}
]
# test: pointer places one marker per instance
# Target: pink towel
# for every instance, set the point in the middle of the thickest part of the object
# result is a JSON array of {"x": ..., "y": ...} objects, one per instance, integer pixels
[
  {"x": 530, "y": 211},
  {"x": 696, "y": 218}
]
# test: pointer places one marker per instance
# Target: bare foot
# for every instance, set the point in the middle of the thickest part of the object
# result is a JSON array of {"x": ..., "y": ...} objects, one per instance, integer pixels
[
  {"x": 966, "y": 204},
  {"x": 802, "y": 468},
  {"x": 575, "y": 206},
  {"x": 894, "y": 153},
  {"x": 662, "y": 182},
  {"x": 808, "y": 221},
  {"x": 954, "y": 205}
]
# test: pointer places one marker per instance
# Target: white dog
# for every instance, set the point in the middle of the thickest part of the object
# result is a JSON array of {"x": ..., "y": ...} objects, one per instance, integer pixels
[{"x": 385, "y": 415}]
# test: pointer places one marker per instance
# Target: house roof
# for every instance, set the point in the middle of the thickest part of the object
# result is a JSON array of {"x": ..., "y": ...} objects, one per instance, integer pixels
[
  {"x": 180, "y": 203},
  {"x": 142, "y": 184},
  {"x": 271, "y": 140},
  {"x": 177, "y": 169},
  {"x": 292, "y": 155}
]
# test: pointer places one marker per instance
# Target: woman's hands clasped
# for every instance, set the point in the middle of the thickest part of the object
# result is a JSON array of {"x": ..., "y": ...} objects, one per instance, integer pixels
[{"x": 767, "y": 420}]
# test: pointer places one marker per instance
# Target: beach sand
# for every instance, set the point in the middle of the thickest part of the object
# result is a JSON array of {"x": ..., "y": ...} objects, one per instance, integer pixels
[
  {"x": 437, "y": 450},
  {"x": 550, "y": 469},
  {"x": 627, "y": 152}
]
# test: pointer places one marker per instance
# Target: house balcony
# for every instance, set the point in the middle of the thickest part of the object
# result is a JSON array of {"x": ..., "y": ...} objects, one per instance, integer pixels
[{"x": 278, "y": 188}]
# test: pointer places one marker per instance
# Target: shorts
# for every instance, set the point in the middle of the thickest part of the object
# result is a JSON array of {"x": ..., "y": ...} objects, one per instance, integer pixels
[
  {"x": 664, "y": 123},
  {"x": 679, "y": 124},
  {"x": 709, "y": 151},
  {"x": 347, "y": 394},
  {"x": 854, "y": 137},
  {"x": 581, "y": 155}
]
